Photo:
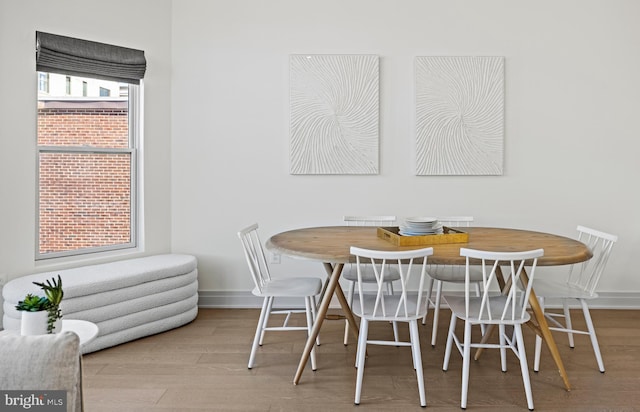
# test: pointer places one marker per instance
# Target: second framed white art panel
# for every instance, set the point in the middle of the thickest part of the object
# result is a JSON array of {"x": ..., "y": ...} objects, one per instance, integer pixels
[{"x": 459, "y": 115}]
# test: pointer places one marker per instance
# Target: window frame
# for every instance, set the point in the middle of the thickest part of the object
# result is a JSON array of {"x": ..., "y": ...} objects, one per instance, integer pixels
[
  {"x": 135, "y": 138},
  {"x": 43, "y": 82}
]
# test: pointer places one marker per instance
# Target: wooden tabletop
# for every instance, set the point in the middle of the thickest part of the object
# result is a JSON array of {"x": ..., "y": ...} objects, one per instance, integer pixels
[{"x": 332, "y": 243}]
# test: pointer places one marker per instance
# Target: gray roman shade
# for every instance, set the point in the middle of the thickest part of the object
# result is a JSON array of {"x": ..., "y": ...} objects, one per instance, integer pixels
[{"x": 84, "y": 58}]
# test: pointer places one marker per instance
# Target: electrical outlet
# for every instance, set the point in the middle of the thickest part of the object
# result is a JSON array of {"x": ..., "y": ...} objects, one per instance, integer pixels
[{"x": 275, "y": 258}]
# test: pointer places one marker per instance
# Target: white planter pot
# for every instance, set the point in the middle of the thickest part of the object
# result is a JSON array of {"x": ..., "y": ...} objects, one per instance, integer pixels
[
  {"x": 57, "y": 326},
  {"x": 34, "y": 323}
]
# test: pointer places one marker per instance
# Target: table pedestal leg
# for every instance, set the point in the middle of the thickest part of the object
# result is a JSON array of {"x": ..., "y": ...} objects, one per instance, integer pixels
[
  {"x": 543, "y": 327},
  {"x": 332, "y": 283},
  {"x": 346, "y": 309}
]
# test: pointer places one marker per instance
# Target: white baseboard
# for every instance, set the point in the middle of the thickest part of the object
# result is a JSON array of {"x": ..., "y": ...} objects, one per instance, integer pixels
[{"x": 245, "y": 300}]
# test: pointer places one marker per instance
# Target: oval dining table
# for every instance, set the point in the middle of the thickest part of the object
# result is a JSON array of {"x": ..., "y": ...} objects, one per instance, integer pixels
[{"x": 331, "y": 245}]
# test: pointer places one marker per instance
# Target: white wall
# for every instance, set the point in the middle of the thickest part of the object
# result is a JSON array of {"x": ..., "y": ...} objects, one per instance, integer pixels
[
  {"x": 140, "y": 24},
  {"x": 216, "y": 119},
  {"x": 571, "y": 142}
]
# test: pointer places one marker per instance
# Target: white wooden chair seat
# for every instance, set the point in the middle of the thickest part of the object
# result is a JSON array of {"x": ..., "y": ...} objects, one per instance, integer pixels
[
  {"x": 454, "y": 274},
  {"x": 498, "y": 302},
  {"x": 390, "y": 304},
  {"x": 557, "y": 290},
  {"x": 290, "y": 287}
]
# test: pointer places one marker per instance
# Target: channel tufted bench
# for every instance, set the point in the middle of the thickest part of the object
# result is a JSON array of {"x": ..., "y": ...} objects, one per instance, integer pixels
[{"x": 128, "y": 299}]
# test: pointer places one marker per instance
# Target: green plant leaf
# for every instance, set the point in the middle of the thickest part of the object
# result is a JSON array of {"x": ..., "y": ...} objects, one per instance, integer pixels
[
  {"x": 33, "y": 303},
  {"x": 52, "y": 290}
]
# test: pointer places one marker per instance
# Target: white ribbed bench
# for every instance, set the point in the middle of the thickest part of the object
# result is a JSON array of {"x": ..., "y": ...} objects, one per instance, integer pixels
[{"x": 128, "y": 299}]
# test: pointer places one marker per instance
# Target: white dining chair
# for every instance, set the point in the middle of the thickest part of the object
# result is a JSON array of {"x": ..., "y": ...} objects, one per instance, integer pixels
[
  {"x": 403, "y": 306},
  {"x": 580, "y": 286},
  {"x": 349, "y": 270},
  {"x": 307, "y": 287},
  {"x": 447, "y": 273},
  {"x": 506, "y": 309}
]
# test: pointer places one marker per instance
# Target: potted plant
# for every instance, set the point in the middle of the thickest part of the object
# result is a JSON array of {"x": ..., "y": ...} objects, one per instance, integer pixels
[
  {"x": 42, "y": 315},
  {"x": 34, "y": 315}
]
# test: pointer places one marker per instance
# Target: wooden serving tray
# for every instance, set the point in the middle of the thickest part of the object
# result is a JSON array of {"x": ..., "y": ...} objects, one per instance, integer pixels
[{"x": 450, "y": 235}]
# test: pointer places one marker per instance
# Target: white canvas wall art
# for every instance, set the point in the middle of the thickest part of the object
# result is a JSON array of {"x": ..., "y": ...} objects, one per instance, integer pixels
[
  {"x": 459, "y": 115},
  {"x": 334, "y": 114}
]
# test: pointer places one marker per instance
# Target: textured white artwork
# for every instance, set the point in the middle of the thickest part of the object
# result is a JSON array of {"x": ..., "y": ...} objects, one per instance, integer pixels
[
  {"x": 459, "y": 115},
  {"x": 334, "y": 114}
]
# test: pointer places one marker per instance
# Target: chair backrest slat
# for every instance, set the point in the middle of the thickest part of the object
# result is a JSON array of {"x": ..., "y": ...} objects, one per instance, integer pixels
[
  {"x": 456, "y": 221},
  {"x": 407, "y": 263},
  {"x": 492, "y": 264},
  {"x": 254, "y": 254},
  {"x": 587, "y": 274},
  {"x": 369, "y": 220}
]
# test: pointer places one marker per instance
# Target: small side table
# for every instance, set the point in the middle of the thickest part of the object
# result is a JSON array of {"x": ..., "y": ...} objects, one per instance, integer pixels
[{"x": 86, "y": 331}]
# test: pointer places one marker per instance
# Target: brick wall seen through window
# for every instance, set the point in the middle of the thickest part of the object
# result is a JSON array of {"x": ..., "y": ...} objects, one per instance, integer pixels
[{"x": 85, "y": 197}]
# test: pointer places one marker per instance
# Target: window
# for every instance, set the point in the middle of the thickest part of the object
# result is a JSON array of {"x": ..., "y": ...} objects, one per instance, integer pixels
[
  {"x": 43, "y": 82},
  {"x": 86, "y": 173},
  {"x": 87, "y": 144}
]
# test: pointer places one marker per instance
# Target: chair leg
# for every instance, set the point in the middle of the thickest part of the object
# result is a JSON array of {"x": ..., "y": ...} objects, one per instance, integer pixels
[
  {"x": 346, "y": 321},
  {"x": 436, "y": 313},
  {"x": 538, "y": 349},
  {"x": 503, "y": 347},
  {"x": 592, "y": 334},
  {"x": 429, "y": 291},
  {"x": 395, "y": 331},
  {"x": 466, "y": 359},
  {"x": 567, "y": 321},
  {"x": 417, "y": 359},
  {"x": 266, "y": 317},
  {"x": 536, "y": 362},
  {"x": 362, "y": 350},
  {"x": 259, "y": 330},
  {"x": 314, "y": 314},
  {"x": 523, "y": 366},
  {"x": 478, "y": 293},
  {"x": 447, "y": 351},
  {"x": 308, "y": 301}
]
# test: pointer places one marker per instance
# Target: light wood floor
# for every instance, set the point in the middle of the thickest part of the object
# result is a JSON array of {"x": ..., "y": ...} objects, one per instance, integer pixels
[{"x": 203, "y": 367}]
